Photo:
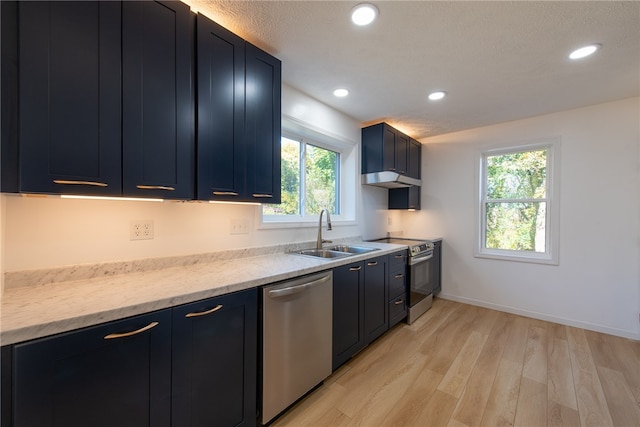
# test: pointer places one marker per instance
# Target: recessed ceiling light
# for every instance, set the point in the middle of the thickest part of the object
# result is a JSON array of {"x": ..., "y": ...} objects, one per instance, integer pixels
[
  {"x": 435, "y": 96},
  {"x": 364, "y": 14},
  {"x": 340, "y": 93},
  {"x": 585, "y": 51}
]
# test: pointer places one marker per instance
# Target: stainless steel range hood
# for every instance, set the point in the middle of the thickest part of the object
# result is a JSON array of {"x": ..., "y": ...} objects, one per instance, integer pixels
[{"x": 388, "y": 179}]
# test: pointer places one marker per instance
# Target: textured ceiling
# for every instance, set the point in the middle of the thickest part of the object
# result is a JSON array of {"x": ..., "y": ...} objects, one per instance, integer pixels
[{"x": 498, "y": 61}]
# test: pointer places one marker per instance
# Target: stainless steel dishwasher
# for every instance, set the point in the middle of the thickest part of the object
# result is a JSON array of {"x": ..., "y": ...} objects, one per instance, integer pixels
[{"x": 297, "y": 336}]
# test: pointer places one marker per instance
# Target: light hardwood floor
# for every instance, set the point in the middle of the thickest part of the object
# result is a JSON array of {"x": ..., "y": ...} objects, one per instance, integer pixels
[{"x": 461, "y": 365}]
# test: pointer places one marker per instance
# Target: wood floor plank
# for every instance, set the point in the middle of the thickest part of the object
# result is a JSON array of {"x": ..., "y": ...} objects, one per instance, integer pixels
[
  {"x": 470, "y": 407},
  {"x": 460, "y": 370},
  {"x": 622, "y": 404},
  {"x": 386, "y": 393},
  {"x": 532, "y": 404},
  {"x": 560, "y": 416},
  {"x": 535, "y": 357},
  {"x": 503, "y": 397},
  {"x": 618, "y": 354},
  {"x": 517, "y": 343},
  {"x": 409, "y": 408},
  {"x": 561, "y": 389},
  {"x": 438, "y": 409},
  {"x": 592, "y": 405}
]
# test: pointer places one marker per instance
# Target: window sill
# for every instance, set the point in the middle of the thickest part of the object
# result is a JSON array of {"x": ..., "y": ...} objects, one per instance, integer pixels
[
  {"x": 303, "y": 223},
  {"x": 518, "y": 257}
]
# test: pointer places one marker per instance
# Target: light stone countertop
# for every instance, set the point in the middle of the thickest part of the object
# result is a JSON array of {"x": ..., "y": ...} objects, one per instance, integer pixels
[{"x": 28, "y": 312}]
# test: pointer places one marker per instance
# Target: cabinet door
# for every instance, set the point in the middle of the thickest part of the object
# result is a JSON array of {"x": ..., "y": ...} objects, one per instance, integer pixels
[
  {"x": 388, "y": 148},
  {"x": 215, "y": 361},
  {"x": 157, "y": 106},
  {"x": 263, "y": 127},
  {"x": 405, "y": 198},
  {"x": 437, "y": 267},
  {"x": 376, "y": 312},
  {"x": 401, "y": 150},
  {"x": 115, "y": 374},
  {"x": 221, "y": 154},
  {"x": 414, "y": 159},
  {"x": 348, "y": 312},
  {"x": 69, "y": 88}
]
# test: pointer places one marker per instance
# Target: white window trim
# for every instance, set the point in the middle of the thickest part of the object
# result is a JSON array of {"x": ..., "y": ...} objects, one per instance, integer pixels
[
  {"x": 552, "y": 237},
  {"x": 347, "y": 188}
]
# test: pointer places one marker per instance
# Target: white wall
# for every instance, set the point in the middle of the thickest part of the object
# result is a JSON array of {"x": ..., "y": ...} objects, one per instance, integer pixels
[
  {"x": 597, "y": 283},
  {"x": 52, "y": 232}
]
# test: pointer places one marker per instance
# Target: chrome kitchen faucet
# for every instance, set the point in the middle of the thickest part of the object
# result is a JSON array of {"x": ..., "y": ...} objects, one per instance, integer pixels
[{"x": 320, "y": 240}]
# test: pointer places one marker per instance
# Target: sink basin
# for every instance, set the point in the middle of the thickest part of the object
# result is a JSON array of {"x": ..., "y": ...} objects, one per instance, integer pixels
[
  {"x": 352, "y": 249},
  {"x": 323, "y": 253}
]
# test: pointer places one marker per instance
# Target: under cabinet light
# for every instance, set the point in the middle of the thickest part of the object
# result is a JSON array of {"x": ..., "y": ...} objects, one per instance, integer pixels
[{"x": 131, "y": 199}]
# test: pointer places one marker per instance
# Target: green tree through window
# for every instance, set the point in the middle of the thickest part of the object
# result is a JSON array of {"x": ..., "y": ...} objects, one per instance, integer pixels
[
  {"x": 515, "y": 200},
  {"x": 310, "y": 176}
]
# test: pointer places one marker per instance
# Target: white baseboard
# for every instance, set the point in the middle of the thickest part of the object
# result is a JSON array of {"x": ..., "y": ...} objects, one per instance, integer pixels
[{"x": 555, "y": 319}]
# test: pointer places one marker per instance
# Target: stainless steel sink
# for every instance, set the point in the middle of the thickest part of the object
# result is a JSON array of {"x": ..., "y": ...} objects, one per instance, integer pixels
[
  {"x": 333, "y": 252},
  {"x": 352, "y": 249},
  {"x": 323, "y": 253}
]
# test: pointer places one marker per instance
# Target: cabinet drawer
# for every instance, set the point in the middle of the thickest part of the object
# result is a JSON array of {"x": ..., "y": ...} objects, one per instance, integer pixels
[
  {"x": 397, "y": 310},
  {"x": 398, "y": 261},
  {"x": 397, "y": 284}
]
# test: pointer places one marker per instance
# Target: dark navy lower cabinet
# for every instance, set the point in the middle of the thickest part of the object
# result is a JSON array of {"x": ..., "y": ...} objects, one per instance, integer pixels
[
  {"x": 215, "y": 362},
  {"x": 191, "y": 366},
  {"x": 117, "y": 374}
]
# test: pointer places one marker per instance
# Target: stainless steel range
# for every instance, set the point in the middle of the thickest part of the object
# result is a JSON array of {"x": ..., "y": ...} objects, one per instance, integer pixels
[{"x": 421, "y": 274}]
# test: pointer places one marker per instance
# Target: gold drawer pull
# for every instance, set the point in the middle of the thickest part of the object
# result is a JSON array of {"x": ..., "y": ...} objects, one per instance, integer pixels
[
  {"x": 72, "y": 182},
  {"x": 225, "y": 193},
  {"x": 400, "y": 301},
  {"x": 372, "y": 263},
  {"x": 128, "y": 334},
  {"x": 262, "y": 195},
  {"x": 358, "y": 268},
  {"x": 400, "y": 256},
  {"x": 204, "y": 313},
  {"x": 397, "y": 276},
  {"x": 155, "y": 187}
]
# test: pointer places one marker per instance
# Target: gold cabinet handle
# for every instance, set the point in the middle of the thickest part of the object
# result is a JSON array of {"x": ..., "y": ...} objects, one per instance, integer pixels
[
  {"x": 372, "y": 263},
  {"x": 128, "y": 334},
  {"x": 204, "y": 313},
  {"x": 262, "y": 195},
  {"x": 155, "y": 187},
  {"x": 400, "y": 301},
  {"x": 400, "y": 256},
  {"x": 397, "y": 276},
  {"x": 358, "y": 268},
  {"x": 73, "y": 182},
  {"x": 225, "y": 193}
]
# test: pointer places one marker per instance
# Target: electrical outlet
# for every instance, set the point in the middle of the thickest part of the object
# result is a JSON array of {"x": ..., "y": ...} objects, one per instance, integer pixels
[
  {"x": 239, "y": 226},
  {"x": 141, "y": 230}
]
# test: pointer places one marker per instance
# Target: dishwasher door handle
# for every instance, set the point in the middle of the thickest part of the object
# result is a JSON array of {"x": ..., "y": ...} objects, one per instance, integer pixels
[{"x": 297, "y": 288}]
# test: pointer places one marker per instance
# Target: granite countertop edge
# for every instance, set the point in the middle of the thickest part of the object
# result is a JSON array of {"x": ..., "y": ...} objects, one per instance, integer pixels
[{"x": 32, "y": 312}]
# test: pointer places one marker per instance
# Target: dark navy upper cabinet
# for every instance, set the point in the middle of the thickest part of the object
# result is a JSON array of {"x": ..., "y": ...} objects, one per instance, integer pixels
[
  {"x": 220, "y": 112},
  {"x": 263, "y": 125},
  {"x": 157, "y": 137},
  {"x": 384, "y": 148},
  {"x": 69, "y": 97},
  {"x": 238, "y": 118},
  {"x": 104, "y": 99}
]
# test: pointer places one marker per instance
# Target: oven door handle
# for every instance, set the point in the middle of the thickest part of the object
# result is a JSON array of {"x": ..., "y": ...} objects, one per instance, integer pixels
[{"x": 419, "y": 259}]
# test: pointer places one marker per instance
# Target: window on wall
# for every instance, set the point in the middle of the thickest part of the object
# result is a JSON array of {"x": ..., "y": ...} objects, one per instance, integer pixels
[
  {"x": 310, "y": 181},
  {"x": 518, "y": 207}
]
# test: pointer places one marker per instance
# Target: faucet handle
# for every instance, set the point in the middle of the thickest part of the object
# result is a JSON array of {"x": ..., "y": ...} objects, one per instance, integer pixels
[{"x": 327, "y": 241}]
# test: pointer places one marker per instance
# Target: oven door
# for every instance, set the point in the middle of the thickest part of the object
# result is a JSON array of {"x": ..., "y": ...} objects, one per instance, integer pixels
[{"x": 421, "y": 278}]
